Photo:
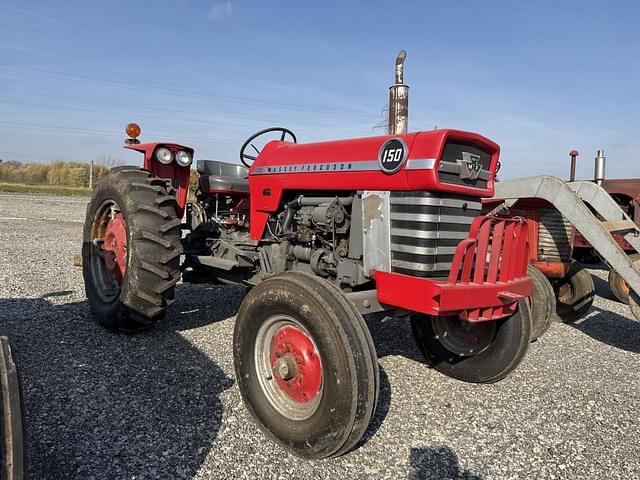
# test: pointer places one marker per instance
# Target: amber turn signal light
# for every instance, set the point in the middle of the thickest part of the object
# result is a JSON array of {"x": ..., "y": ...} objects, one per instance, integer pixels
[{"x": 132, "y": 130}]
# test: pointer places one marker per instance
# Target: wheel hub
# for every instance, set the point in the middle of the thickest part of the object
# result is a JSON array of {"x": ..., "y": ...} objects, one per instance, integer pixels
[
  {"x": 286, "y": 368},
  {"x": 296, "y": 364},
  {"x": 115, "y": 248},
  {"x": 462, "y": 337},
  {"x": 566, "y": 292}
]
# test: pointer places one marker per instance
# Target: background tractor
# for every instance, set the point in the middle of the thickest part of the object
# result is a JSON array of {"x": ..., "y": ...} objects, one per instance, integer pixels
[
  {"x": 626, "y": 193},
  {"x": 321, "y": 234}
]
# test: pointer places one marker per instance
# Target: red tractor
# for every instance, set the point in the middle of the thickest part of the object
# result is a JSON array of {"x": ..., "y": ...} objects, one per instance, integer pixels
[{"x": 322, "y": 233}]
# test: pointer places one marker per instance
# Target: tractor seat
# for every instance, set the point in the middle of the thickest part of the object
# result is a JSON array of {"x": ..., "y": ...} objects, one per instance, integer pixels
[{"x": 218, "y": 176}]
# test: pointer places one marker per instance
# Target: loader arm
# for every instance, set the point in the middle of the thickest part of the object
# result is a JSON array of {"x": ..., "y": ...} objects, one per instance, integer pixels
[{"x": 570, "y": 200}]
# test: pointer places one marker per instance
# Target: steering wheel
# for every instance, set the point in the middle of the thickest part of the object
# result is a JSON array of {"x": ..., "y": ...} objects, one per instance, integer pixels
[{"x": 245, "y": 157}]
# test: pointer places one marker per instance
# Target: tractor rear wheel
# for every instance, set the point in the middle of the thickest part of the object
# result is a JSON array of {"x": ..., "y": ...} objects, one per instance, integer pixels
[
  {"x": 130, "y": 249},
  {"x": 575, "y": 293},
  {"x": 543, "y": 303},
  {"x": 482, "y": 352},
  {"x": 618, "y": 286},
  {"x": 305, "y": 365}
]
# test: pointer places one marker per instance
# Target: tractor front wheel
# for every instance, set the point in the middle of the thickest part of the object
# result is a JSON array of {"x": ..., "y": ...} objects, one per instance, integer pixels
[
  {"x": 482, "y": 352},
  {"x": 618, "y": 286},
  {"x": 131, "y": 249},
  {"x": 305, "y": 365},
  {"x": 575, "y": 293}
]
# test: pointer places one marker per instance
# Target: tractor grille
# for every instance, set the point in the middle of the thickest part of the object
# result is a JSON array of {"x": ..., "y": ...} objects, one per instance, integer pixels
[
  {"x": 426, "y": 229},
  {"x": 451, "y": 165},
  {"x": 554, "y": 236}
]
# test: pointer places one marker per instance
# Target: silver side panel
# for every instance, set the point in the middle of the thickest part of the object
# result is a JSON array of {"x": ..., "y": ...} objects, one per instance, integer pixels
[{"x": 376, "y": 226}]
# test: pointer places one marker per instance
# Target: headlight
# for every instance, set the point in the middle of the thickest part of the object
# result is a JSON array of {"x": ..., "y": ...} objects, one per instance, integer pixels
[
  {"x": 183, "y": 158},
  {"x": 164, "y": 155}
]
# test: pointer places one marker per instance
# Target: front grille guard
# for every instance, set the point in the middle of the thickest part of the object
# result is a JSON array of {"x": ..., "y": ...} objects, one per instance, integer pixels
[
  {"x": 495, "y": 252},
  {"x": 488, "y": 275}
]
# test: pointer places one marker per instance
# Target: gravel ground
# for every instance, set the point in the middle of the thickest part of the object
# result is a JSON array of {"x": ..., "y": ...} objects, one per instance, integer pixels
[{"x": 164, "y": 404}]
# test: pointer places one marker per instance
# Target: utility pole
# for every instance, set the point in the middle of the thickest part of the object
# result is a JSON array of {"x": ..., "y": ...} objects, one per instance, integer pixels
[{"x": 91, "y": 176}]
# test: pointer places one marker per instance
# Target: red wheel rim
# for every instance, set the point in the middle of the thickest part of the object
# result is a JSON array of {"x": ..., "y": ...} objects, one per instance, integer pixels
[
  {"x": 296, "y": 364},
  {"x": 115, "y": 248},
  {"x": 108, "y": 260},
  {"x": 289, "y": 367}
]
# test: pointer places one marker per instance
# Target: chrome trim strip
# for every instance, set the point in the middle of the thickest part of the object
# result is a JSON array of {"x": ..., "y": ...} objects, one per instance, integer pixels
[
  {"x": 436, "y": 202},
  {"x": 403, "y": 232},
  {"x": 421, "y": 163},
  {"x": 421, "y": 267},
  {"x": 325, "y": 167},
  {"x": 396, "y": 247},
  {"x": 329, "y": 167},
  {"x": 417, "y": 217}
]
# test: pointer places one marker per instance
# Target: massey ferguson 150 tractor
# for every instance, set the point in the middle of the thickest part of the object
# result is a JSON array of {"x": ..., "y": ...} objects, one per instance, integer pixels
[{"x": 322, "y": 233}]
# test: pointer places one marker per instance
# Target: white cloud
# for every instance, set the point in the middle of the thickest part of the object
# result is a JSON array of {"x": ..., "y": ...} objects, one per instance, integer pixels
[{"x": 220, "y": 11}]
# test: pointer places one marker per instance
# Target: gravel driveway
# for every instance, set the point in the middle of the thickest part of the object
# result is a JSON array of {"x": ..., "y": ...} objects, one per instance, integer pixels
[{"x": 164, "y": 404}]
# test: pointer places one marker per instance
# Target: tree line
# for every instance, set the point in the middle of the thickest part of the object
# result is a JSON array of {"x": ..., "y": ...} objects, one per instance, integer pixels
[{"x": 61, "y": 173}]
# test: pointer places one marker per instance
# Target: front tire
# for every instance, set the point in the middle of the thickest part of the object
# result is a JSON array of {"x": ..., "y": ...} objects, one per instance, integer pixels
[
  {"x": 575, "y": 293},
  {"x": 543, "y": 303},
  {"x": 304, "y": 365},
  {"x": 618, "y": 286},
  {"x": 484, "y": 352},
  {"x": 131, "y": 249}
]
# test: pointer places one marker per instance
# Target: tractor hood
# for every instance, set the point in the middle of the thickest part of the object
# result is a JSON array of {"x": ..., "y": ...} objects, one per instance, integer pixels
[{"x": 439, "y": 160}]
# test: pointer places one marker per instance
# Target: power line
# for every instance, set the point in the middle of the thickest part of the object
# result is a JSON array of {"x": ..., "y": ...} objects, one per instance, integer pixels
[
  {"x": 144, "y": 115},
  {"x": 182, "y": 93},
  {"x": 175, "y": 110},
  {"x": 75, "y": 130}
]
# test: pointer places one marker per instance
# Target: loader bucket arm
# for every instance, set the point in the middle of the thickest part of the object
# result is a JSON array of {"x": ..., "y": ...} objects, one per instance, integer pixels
[{"x": 570, "y": 200}]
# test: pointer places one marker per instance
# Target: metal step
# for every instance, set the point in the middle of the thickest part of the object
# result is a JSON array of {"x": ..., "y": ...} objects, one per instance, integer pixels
[{"x": 571, "y": 200}]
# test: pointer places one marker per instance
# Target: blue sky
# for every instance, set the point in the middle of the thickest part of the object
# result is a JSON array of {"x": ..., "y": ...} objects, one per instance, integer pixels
[{"x": 539, "y": 78}]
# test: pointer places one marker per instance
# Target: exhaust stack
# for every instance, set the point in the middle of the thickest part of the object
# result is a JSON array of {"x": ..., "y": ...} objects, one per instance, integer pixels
[
  {"x": 598, "y": 171},
  {"x": 399, "y": 100},
  {"x": 574, "y": 156}
]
